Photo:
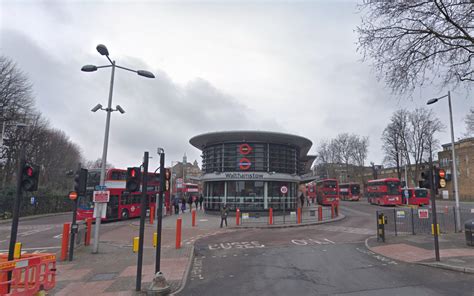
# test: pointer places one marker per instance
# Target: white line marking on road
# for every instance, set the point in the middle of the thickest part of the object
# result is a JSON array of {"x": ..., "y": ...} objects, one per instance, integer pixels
[
  {"x": 58, "y": 236},
  {"x": 38, "y": 248},
  {"x": 330, "y": 241}
]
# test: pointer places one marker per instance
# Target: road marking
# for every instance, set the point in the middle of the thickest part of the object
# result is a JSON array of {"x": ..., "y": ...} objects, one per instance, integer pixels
[
  {"x": 310, "y": 241},
  {"x": 33, "y": 231},
  {"x": 58, "y": 236},
  {"x": 236, "y": 245},
  {"x": 347, "y": 229},
  {"x": 196, "y": 272}
]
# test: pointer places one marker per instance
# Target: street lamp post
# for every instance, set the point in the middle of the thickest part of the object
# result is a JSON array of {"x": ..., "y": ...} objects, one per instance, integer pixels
[
  {"x": 453, "y": 156},
  {"x": 91, "y": 68}
]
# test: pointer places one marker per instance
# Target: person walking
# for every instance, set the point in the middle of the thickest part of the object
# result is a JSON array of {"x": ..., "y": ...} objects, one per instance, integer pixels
[
  {"x": 201, "y": 199},
  {"x": 302, "y": 199},
  {"x": 196, "y": 201},
  {"x": 183, "y": 204},
  {"x": 190, "y": 202},
  {"x": 176, "y": 204},
  {"x": 224, "y": 213},
  {"x": 308, "y": 201}
]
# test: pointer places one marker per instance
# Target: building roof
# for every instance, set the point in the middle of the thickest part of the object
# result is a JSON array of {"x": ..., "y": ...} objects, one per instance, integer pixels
[{"x": 203, "y": 140}]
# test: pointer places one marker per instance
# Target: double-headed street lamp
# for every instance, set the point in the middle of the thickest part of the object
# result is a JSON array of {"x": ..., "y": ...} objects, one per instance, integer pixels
[
  {"x": 91, "y": 68},
  {"x": 453, "y": 155}
]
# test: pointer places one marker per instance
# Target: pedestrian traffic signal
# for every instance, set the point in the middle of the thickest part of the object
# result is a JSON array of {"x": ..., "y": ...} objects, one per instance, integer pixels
[
  {"x": 29, "y": 177},
  {"x": 80, "y": 182},
  {"x": 133, "y": 179},
  {"x": 441, "y": 174},
  {"x": 167, "y": 179}
]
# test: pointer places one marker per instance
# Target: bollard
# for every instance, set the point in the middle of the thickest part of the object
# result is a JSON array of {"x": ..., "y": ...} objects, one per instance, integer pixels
[
  {"x": 178, "y": 233},
  {"x": 299, "y": 216},
  {"x": 332, "y": 211},
  {"x": 88, "y": 231},
  {"x": 155, "y": 239},
  {"x": 193, "y": 214},
  {"x": 152, "y": 215},
  {"x": 136, "y": 241},
  {"x": 270, "y": 216},
  {"x": 237, "y": 217},
  {"x": 17, "y": 251},
  {"x": 336, "y": 208},
  {"x": 65, "y": 241},
  {"x": 320, "y": 213}
]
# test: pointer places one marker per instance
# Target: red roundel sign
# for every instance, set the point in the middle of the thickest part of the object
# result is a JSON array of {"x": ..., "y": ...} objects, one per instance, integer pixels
[
  {"x": 244, "y": 164},
  {"x": 245, "y": 149}
]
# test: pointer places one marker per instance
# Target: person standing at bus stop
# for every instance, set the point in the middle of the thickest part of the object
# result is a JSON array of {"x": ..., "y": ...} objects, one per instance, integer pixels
[
  {"x": 183, "y": 204},
  {"x": 190, "y": 202},
  {"x": 176, "y": 204},
  {"x": 302, "y": 199},
  {"x": 224, "y": 212}
]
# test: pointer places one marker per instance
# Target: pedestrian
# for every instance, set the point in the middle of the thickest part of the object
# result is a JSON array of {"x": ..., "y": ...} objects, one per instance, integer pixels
[
  {"x": 183, "y": 204},
  {"x": 302, "y": 199},
  {"x": 307, "y": 201},
  {"x": 176, "y": 204},
  {"x": 196, "y": 201},
  {"x": 201, "y": 199},
  {"x": 190, "y": 202},
  {"x": 224, "y": 212}
]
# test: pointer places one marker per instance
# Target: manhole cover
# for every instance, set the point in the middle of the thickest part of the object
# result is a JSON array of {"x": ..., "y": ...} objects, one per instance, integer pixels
[{"x": 104, "y": 276}]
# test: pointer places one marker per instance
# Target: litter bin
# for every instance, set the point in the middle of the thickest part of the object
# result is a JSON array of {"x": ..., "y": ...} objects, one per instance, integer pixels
[
  {"x": 312, "y": 213},
  {"x": 469, "y": 231}
]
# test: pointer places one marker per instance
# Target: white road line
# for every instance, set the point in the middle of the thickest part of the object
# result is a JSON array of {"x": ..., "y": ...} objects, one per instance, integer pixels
[{"x": 38, "y": 248}]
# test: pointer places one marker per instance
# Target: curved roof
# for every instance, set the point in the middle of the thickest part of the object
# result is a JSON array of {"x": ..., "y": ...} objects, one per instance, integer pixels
[{"x": 203, "y": 140}]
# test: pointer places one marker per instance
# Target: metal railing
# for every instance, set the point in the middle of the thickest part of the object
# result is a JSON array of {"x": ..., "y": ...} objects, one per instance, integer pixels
[{"x": 410, "y": 221}]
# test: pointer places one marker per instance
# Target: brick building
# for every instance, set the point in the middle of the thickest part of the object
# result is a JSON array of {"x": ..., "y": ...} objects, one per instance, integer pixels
[{"x": 465, "y": 166}]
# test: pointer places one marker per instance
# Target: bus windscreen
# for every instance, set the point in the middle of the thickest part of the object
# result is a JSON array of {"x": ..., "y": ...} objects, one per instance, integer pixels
[
  {"x": 393, "y": 188},
  {"x": 421, "y": 193}
]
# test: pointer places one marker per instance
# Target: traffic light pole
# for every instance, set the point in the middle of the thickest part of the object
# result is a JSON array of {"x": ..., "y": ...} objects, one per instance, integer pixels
[
  {"x": 74, "y": 224},
  {"x": 160, "y": 212},
  {"x": 433, "y": 209},
  {"x": 142, "y": 221},
  {"x": 16, "y": 210}
]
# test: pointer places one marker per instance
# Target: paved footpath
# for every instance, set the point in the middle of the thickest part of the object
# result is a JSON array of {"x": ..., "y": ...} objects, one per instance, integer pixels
[
  {"x": 454, "y": 252},
  {"x": 113, "y": 270}
]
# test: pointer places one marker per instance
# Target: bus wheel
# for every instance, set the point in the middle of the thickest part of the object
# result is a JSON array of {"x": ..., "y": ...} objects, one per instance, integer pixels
[{"x": 125, "y": 214}]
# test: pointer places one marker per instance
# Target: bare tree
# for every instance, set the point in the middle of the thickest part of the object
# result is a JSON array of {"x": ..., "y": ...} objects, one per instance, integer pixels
[
  {"x": 395, "y": 141},
  {"x": 469, "y": 120},
  {"x": 413, "y": 42},
  {"x": 97, "y": 164}
]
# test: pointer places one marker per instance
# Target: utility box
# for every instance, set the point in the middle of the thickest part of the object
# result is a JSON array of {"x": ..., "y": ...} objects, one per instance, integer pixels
[
  {"x": 469, "y": 231},
  {"x": 312, "y": 213}
]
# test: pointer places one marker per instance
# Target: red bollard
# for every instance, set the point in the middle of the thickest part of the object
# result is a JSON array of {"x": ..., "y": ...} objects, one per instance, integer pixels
[
  {"x": 320, "y": 213},
  {"x": 270, "y": 216},
  {"x": 299, "y": 216},
  {"x": 332, "y": 211},
  {"x": 88, "y": 231},
  {"x": 237, "y": 217},
  {"x": 152, "y": 214},
  {"x": 65, "y": 241},
  {"x": 193, "y": 213},
  {"x": 178, "y": 233},
  {"x": 337, "y": 210}
]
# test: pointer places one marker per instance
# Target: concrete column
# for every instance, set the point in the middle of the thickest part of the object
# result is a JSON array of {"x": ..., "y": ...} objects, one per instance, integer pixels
[{"x": 265, "y": 195}]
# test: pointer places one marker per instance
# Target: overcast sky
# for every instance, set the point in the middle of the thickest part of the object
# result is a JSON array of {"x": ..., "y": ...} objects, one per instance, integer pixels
[{"x": 219, "y": 65}]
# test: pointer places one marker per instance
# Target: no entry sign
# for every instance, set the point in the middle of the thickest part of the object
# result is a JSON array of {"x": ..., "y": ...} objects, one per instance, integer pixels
[{"x": 284, "y": 189}]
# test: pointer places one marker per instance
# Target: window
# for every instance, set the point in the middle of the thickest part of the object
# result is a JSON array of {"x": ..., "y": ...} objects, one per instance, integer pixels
[{"x": 245, "y": 188}]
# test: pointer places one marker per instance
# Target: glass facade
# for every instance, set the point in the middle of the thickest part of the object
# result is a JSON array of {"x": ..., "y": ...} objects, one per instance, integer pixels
[
  {"x": 254, "y": 157},
  {"x": 250, "y": 195}
]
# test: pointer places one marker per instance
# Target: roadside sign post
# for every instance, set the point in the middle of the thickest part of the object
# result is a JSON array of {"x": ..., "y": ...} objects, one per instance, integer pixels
[
  {"x": 284, "y": 190},
  {"x": 433, "y": 209},
  {"x": 73, "y": 197}
]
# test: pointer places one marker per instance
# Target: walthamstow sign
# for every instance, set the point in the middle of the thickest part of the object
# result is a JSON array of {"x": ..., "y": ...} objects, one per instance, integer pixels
[
  {"x": 247, "y": 176},
  {"x": 257, "y": 176}
]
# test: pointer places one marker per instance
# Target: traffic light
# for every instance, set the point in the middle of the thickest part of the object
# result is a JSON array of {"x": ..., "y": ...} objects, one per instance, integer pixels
[
  {"x": 29, "y": 177},
  {"x": 167, "y": 179},
  {"x": 441, "y": 177},
  {"x": 426, "y": 179},
  {"x": 80, "y": 181},
  {"x": 133, "y": 179}
]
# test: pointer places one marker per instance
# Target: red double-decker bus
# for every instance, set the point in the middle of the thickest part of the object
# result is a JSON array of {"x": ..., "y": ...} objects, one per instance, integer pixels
[
  {"x": 327, "y": 192},
  {"x": 349, "y": 191},
  {"x": 416, "y": 196},
  {"x": 384, "y": 192},
  {"x": 122, "y": 204}
]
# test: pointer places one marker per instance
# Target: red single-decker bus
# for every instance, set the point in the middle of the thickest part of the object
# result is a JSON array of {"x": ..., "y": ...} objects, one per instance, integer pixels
[
  {"x": 327, "y": 192},
  {"x": 349, "y": 191},
  {"x": 384, "y": 192}
]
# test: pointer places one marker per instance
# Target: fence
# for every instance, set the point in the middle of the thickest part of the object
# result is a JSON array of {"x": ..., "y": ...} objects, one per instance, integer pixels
[
  {"x": 251, "y": 204},
  {"x": 405, "y": 221}
]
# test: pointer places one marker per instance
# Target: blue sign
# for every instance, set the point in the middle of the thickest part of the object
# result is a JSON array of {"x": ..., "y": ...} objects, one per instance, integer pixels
[
  {"x": 100, "y": 188},
  {"x": 32, "y": 200}
]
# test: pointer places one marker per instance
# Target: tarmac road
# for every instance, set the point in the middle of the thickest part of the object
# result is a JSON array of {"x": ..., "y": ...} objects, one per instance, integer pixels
[{"x": 327, "y": 259}]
